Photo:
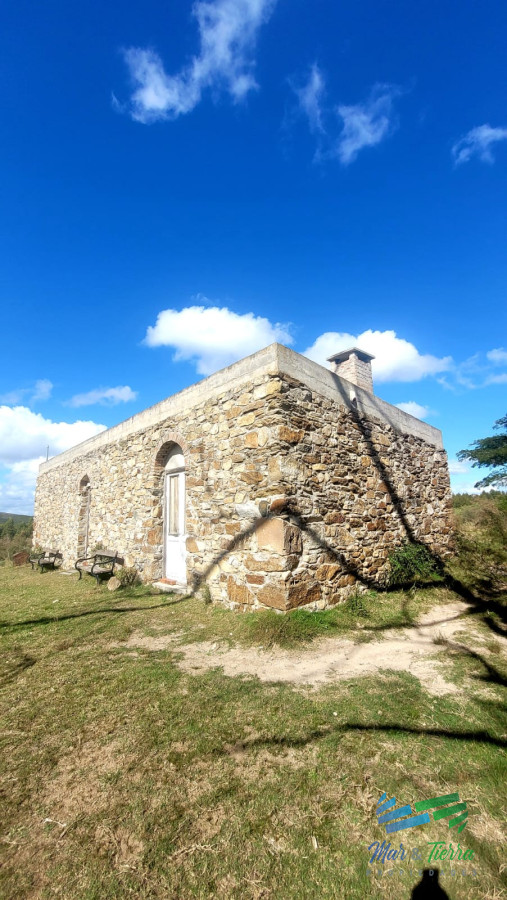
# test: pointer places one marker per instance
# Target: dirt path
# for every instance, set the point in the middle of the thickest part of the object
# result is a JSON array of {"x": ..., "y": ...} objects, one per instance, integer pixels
[{"x": 414, "y": 649}]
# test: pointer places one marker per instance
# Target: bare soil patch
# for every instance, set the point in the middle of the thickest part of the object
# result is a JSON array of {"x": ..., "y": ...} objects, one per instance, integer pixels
[{"x": 414, "y": 649}]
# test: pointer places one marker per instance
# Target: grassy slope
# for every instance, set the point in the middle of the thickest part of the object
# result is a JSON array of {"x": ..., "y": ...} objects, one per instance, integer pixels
[
  {"x": 17, "y": 518},
  {"x": 124, "y": 777}
]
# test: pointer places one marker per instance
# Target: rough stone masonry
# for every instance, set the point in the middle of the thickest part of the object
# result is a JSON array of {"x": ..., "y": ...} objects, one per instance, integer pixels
[{"x": 299, "y": 483}]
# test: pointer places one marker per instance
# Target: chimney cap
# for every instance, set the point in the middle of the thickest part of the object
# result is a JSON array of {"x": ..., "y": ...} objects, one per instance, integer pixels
[{"x": 344, "y": 354}]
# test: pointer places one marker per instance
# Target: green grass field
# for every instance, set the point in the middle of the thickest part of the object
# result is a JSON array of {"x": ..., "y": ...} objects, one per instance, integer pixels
[{"x": 125, "y": 775}]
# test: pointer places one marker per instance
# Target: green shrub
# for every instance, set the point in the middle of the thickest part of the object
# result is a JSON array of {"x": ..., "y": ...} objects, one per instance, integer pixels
[
  {"x": 127, "y": 576},
  {"x": 357, "y": 604},
  {"x": 14, "y": 537},
  {"x": 481, "y": 540},
  {"x": 487, "y": 514},
  {"x": 206, "y": 593},
  {"x": 411, "y": 564}
]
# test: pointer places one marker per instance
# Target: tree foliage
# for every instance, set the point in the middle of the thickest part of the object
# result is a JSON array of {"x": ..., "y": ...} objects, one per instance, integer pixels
[
  {"x": 492, "y": 453},
  {"x": 14, "y": 536},
  {"x": 9, "y": 529}
]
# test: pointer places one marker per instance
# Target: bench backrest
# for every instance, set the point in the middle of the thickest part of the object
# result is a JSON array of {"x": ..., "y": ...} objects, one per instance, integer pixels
[{"x": 110, "y": 553}]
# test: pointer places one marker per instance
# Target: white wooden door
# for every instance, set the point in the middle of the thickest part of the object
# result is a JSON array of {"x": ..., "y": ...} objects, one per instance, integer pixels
[{"x": 174, "y": 518}]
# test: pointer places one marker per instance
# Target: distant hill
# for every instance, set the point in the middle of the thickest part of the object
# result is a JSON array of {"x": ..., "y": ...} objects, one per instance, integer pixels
[{"x": 16, "y": 518}]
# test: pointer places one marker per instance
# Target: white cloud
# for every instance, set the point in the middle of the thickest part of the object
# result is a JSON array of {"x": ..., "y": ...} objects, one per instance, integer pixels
[
  {"x": 228, "y": 32},
  {"x": 496, "y": 379},
  {"x": 17, "y": 490},
  {"x": 462, "y": 480},
  {"x": 497, "y": 356},
  {"x": 40, "y": 391},
  {"x": 104, "y": 396},
  {"x": 475, "y": 372},
  {"x": 458, "y": 467},
  {"x": 25, "y": 434},
  {"x": 214, "y": 337},
  {"x": 13, "y": 397},
  {"x": 395, "y": 358},
  {"x": 43, "y": 390},
  {"x": 478, "y": 142},
  {"x": 414, "y": 409},
  {"x": 24, "y": 439},
  {"x": 362, "y": 124},
  {"x": 464, "y": 486},
  {"x": 310, "y": 98},
  {"x": 366, "y": 124}
]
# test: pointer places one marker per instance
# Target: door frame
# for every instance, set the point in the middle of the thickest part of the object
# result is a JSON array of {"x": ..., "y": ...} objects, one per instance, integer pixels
[{"x": 172, "y": 470}]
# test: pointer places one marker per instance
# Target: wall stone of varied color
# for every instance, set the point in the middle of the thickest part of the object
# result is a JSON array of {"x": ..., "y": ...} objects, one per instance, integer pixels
[
  {"x": 355, "y": 489},
  {"x": 340, "y": 492}
]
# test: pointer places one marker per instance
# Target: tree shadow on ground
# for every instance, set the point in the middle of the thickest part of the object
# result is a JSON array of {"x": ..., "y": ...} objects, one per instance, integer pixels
[
  {"x": 325, "y": 731},
  {"x": 491, "y": 673},
  {"x": 47, "y": 620},
  {"x": 16, "y": 665}
]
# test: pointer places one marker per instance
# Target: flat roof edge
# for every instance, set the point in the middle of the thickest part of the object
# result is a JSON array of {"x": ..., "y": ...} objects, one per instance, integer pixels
[
  {"x": 235, "y": 374},
  {"x": 274, "y": 359},
  {"x": 340, "y": 390}
]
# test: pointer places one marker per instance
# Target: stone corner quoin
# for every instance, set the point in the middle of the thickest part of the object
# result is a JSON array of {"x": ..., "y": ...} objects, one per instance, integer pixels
[{"x": 298, "y": 484}]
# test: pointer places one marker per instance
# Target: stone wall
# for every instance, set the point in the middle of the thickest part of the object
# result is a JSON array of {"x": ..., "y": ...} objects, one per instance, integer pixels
[
  {"x": 226, "y": 440},
  {"x": 354, "y": 489},
  {"x": 294, "y": 495}
]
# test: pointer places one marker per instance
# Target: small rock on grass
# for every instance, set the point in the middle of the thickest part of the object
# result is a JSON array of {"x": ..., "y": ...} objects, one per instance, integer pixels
[{"x": 113, "y": 584}]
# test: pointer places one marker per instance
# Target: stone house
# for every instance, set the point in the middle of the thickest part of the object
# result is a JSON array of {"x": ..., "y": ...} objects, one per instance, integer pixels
[{"x": 276, "y": 482}]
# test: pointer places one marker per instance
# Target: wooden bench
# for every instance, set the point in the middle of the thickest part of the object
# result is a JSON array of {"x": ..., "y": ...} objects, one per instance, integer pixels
[
  {"x": 48, "y": 559},
  {"x": 100, "y": 565}
]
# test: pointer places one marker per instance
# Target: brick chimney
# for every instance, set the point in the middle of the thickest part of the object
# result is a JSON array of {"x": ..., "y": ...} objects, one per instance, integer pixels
[{"x": 355, "y": 366}]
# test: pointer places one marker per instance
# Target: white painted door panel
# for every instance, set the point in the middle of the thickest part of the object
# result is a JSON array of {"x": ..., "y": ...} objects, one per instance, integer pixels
[{"x": 174, "y": 527}]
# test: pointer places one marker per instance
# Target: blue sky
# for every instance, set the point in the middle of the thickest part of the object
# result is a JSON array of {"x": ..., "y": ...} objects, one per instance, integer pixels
[{"x": 183, "y": 183}]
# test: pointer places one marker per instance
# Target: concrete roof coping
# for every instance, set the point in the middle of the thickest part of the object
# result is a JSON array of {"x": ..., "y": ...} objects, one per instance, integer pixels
[
  {"x": 272, "y": 360},
  {"x": 344, "y": 354}
]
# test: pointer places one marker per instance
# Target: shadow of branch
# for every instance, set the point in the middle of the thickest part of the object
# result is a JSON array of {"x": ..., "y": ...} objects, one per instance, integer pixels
[
  {"x": 116, "y": 610},
  {"x": 317, "y": 734}
]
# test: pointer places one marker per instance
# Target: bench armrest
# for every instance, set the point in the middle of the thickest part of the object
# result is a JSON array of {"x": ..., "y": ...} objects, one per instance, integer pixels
[
  {"x": 82, "y": 559},
  {"x": 98, "y": 561}
]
